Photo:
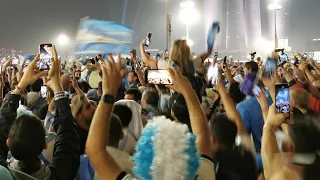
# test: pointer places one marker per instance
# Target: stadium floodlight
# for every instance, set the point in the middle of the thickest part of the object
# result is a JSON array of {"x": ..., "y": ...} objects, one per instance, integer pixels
[{"x": 63, "y": 39}]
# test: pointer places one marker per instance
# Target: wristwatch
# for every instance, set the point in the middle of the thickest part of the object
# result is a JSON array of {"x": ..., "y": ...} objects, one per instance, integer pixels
[{"x": 107, "y": 98}]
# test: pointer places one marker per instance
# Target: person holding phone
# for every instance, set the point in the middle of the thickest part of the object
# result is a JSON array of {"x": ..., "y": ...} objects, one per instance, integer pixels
[
  {"x": 180, "y": 58},
  {"x": 249, "y": 108},
  {"x": 26, "y": 139}
]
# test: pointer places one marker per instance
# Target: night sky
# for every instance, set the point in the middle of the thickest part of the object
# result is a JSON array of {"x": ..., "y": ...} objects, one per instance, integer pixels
[{"x": 27, "y": 23}]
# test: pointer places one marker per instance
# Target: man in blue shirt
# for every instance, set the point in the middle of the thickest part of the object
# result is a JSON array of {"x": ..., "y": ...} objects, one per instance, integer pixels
[{"x": 251, "y": 114}]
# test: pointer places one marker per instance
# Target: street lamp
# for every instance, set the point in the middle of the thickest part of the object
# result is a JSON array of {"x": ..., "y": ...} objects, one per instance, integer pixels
[
  {"x": 188, "y": 15},
  {"x": 275, "y": 8}
]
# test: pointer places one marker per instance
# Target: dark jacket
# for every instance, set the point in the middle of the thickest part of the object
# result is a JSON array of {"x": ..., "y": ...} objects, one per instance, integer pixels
[{"x": 66, "y": 154}]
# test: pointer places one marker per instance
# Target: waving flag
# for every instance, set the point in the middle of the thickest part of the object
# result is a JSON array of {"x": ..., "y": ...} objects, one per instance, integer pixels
[{"x": 102, "y": 37}]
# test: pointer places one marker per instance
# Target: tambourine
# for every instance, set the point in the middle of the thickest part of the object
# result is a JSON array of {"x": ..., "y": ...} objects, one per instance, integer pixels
[{"x": 94, "y": 79}]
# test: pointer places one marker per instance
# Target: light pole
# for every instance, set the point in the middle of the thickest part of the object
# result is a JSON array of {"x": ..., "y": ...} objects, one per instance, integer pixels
[
  {"x": 275, "y": 8},
  {"x": 167, "y": 34},
  {"x": 188, "y": 15}
]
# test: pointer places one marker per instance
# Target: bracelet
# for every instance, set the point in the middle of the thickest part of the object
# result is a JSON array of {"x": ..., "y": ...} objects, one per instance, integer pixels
[
  {"x": 269, "y": 127},
  {"x": 59, "y": 95}
]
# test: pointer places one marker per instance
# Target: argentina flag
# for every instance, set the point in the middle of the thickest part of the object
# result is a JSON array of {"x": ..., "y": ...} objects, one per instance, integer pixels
[{"x": 102, "y": 37}]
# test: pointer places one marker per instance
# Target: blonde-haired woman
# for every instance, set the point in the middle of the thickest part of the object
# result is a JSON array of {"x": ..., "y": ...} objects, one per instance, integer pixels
[{"x": 180, "y": 57}]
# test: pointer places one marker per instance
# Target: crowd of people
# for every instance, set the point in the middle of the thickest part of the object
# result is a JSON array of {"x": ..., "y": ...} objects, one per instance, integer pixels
[{"x": 127, "y": 128}]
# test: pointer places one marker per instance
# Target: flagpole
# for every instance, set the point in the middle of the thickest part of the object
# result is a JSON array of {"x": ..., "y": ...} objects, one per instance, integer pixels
[{"x": 167, "y": 24}]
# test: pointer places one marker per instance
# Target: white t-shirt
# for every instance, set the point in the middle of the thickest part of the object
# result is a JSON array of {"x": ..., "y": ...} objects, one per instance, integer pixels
[
  {"x": 205, "y": 172},
  {"x": 165, "y": 64}
]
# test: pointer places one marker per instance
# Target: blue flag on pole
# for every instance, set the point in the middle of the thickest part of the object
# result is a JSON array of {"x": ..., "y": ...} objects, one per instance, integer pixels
[{"x": 102, "y": 37}]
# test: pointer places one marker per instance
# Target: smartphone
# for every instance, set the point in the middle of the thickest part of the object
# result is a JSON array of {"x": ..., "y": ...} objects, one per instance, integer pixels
[
  {"x": 270, "y": 68},
  {"x": 282, "y": 98},
  {"x": 283, "y": 59},
  {"x": 148, "y": 40},
  {"x": 45, "y": 51},
  {"x": 92, "y": 60},
  {"x": 158, "y": 76},
  {"x": 158, "y": 56},
  {"x": 216, "y": 54},
  {"x": 305, "y": 56},
  {"x": 296, "y": 61},
  {"x": 213, "y": 73},
  {"x": 15, "y": 61},
  {"x": 43, "y": 91}
]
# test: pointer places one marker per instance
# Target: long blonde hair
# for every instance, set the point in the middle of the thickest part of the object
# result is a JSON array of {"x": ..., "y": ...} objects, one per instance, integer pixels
[{"x": 181, "y": 55}]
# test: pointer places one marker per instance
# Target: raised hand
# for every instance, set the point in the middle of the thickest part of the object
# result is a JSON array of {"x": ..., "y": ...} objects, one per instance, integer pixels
[
  {"x": 6, "y": 64},
  {"x": 275, "y": 119},
  {"x": 111, "y": 79},
  {"x": 54, "y": 72},
  {"x": 181, "y": 84},
  {"x": 31, "y": 74}
]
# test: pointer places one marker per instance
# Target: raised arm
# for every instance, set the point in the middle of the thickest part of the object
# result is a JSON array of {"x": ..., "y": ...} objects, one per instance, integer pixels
[
  {"x": 272, "y": 162},
  {"x": 137, "y": 69},
  {"x": 150, "y": 62},
  {"x": 228, "y": 74},
  {"x": 198, "y": 119},
  {"x": 230, "y": 107},
  {"x": 66, "y": 154},
  {"x": 8, "y": 110},
  {"x": 98, "y": 136}
]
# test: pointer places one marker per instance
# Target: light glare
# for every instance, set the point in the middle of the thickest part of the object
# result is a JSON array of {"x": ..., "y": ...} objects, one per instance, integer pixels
[
  {"x": 274, "y": 7},
  {"x": 63, "y": 39}
]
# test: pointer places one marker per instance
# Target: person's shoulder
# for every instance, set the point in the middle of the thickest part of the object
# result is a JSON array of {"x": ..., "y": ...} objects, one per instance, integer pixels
[
  {"x": 164, "y": 64},
  {"x": 206, "y": 170},
  {"x": 241, "y": 104},
  {"x": 5, "y": 173},
  {"x": 125, "y": 176}
]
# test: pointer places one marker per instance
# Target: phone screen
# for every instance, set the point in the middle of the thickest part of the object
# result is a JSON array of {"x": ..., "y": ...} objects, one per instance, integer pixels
[
  {"x": 45, "y": 56},
  {"x": 282, "y": 98},
  {"x": 15, "y": 61},
  {"x": 93, "y": 61},
  {"x": 270, "y": 68},
  {"x": 43, "y": 91},
  {"x": 213, "y": 73},
  {"x": 148, "y": 40},
  {"x": 158, "y": 76},
  {"x": 283, "y": 58}
]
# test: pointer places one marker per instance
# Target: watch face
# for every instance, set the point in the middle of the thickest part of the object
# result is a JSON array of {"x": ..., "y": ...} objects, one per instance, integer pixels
[{"x": 108, "y": 98}]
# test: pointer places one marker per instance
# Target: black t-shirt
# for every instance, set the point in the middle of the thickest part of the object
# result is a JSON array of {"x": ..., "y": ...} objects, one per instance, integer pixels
[{"x": 235, "y": 164}]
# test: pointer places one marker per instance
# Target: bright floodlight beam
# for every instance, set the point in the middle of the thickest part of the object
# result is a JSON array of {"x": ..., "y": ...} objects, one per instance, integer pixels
[
  {"x": 63, "y": 39},
  {"x": 188, "y": 15},
  {"x": 274, "y": 7},
  {"x": 190, "y": 42},
  {"x": 187, "y": 4}
]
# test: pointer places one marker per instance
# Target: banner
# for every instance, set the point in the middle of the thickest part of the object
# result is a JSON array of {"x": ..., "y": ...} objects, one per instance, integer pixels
[
  {"x": 102, "y": 37},
  {"x": 169, "y": 18}
]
